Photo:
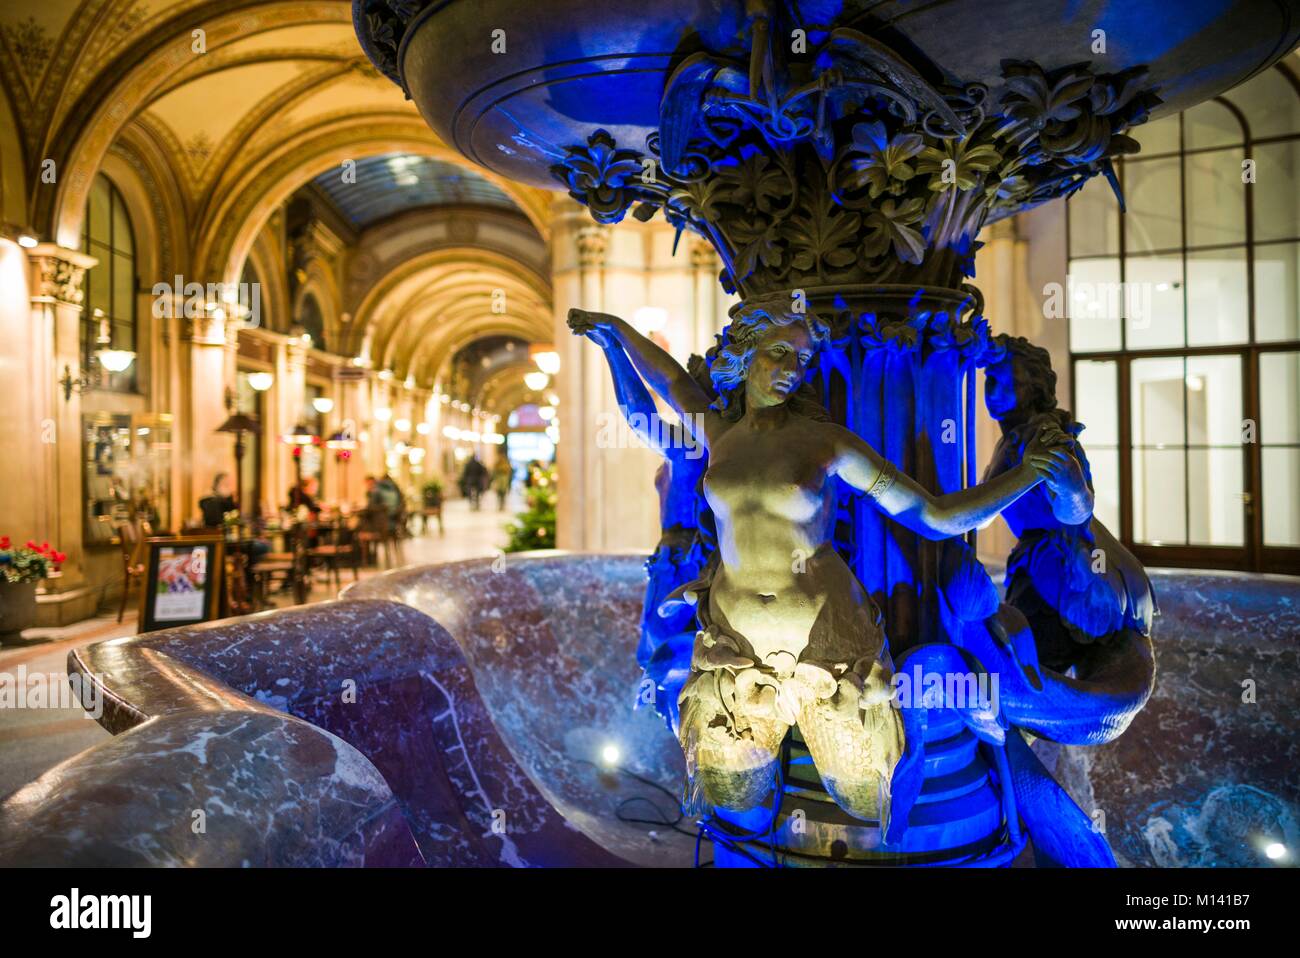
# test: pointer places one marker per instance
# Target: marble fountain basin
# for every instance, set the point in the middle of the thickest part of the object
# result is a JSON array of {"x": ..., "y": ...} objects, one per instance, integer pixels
[{"x": 461, "y": 715}]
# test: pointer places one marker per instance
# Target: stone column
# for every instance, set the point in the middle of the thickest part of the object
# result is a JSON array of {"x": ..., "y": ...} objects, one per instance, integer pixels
[
  {"x": 53, "y": 470},
  {"x": 351, "y": 413},
  {"x": 210, "y": 368}
]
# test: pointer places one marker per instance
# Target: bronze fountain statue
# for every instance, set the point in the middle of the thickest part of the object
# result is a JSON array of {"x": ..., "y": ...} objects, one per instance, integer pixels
[{"x": 789, "y": 634}]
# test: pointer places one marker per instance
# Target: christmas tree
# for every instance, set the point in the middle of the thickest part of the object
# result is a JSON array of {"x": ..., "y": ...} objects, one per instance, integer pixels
[{"x": 534, "y": 528}]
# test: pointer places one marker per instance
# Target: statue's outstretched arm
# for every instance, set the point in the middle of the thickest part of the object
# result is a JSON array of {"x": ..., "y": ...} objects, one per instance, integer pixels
[
  {"x": 660, "y": 371},
  {"x": 939, "y": 517},
  {"x": 634, "y": 400}
]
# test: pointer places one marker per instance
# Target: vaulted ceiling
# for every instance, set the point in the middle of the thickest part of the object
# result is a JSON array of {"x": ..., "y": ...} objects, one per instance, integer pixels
[{"x": 225, "y": 108}]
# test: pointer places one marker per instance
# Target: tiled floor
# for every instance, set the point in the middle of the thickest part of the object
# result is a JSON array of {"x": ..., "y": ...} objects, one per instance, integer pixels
[{"x": 33, "y": 740}]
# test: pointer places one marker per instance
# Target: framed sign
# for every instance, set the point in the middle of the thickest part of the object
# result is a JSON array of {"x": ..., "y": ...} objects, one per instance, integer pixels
[{"x": 182, "y": 581}]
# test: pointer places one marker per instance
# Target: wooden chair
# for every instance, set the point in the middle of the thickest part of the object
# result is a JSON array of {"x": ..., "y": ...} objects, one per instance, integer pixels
[
  {"x": 375, "y": 532},
  {"x": 132, "y": 535},
  {"x": 335, "y": 552},
  {"x": 288, "y": 569}
]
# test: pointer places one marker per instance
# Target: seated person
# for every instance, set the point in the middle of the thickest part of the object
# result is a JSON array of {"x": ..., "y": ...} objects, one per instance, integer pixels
[
  {"x": 304, "y": 494},
  {"x": 214, "y": 509},
  {"x": 215, "y": 506}
]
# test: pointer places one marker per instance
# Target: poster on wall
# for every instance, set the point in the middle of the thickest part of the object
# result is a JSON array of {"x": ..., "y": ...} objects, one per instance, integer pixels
[{"x": 183, "y": 581}]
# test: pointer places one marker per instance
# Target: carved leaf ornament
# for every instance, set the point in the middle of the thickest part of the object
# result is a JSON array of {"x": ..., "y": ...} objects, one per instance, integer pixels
[{"x": 849, "y": 166}]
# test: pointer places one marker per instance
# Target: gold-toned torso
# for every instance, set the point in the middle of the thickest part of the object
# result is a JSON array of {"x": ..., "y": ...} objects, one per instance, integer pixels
[{"x": 782, "y": 589}]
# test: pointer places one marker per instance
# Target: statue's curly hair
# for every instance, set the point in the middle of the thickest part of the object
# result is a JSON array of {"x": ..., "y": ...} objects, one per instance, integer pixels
[
  {"x": 1034, "y": 364},
  {"x": 730, "y": 359}
]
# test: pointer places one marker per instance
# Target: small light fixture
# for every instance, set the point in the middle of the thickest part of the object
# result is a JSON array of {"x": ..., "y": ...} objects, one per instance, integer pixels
[
  {"x": 451, "y": 432},
  {"x": 323, "y": 405},
  {"x": 402, "y": 425},
  {"x": 548, "y": 361},
  {"x": 422, "y": 428},
  {"x": 300, "y": 436},
  {"x": 610, "y": 755},
  {"x": 341, "y": 442},
  {"x": 1274, "y": 851},
  {"x": 547, "y": 413},
  {"x": 536, "y": 381},
  {"x": 114, "y": 360},
  {"x": 261, "y": 382},
  {"x": 383, "y": 413},
  {"x": 27, "y": 241}
]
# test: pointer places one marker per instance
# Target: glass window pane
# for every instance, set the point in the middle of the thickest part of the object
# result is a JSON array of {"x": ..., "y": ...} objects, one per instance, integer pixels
[
  {"x": 1094, "y": 220},
  {"x": 1270, "y": 103},
  {"x": 1095, "y": 304},
  {"x": 122, "y": 239},
  {"x": 98, "y": 293},
  {"x": 1277, "y": 269},
  {"x": 1217, "y": 298},
  {"x": 1211, "y": 124},
  {"x": 1105, "y": 485},
  {"x": 1096, "y": 388},
  {"x": 1154, "y": 199},
  {"x": 1216, "y": 199},
  {"x": 1279, "y": 399},
  {"x": 1214, "y": 400},
  {"x": 1215, "y": 505},
  {"x": 1153, "y": 301},
  {"x": 1159, "y": 497},
  {"x": 1276, "y": 199},
  {"x": 1156, "y": 388},
  {"x": 98, "y": 210},
  {"x": 1281, "y": 496},
  {"x": 1159, "y": 136},
  {"x": 123, "y": 287}
]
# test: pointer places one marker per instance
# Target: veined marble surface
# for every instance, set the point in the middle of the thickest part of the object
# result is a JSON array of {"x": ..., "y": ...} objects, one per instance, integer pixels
[{"x": 463, "y": 714}]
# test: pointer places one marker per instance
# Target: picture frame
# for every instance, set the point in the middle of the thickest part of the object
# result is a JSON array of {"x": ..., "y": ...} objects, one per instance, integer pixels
[{"x": 184, "y": 581}]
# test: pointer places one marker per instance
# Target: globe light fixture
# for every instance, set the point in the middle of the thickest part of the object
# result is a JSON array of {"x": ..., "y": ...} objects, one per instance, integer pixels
[
  {"x": 261, "y": 382},
  {"x": 536, "y": 381},
  {"x": 114, "y": 360}
]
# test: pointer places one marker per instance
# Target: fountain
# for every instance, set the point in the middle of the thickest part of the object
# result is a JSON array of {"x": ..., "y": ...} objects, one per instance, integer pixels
[{"x": 841, "y": 156}]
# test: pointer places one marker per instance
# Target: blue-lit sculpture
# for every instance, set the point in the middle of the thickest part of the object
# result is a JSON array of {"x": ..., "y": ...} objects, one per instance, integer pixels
[
  {"x": 686, "y": 541},
  {"x": 843, "y": 179},
  {"x": 844, "y": 193},
  {"x": 787, "y": 633}
]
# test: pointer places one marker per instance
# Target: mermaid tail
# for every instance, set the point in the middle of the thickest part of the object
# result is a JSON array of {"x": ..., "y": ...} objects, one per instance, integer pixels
[
  {"x": 855, "y": 737},
  {"x": 732, "y": 756}
]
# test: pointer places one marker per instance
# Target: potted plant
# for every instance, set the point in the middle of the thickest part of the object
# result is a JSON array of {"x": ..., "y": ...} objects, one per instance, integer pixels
[{"x": 20, "y": 569}]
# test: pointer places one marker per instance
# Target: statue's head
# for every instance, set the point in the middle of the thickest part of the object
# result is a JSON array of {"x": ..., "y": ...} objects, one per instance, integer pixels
[
  {"x": 1021, "y": 384},
  {"x": 765, "y": 362}
]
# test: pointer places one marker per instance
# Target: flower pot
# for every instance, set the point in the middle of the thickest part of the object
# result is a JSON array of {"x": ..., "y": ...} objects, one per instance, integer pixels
[{"x": 17, "y": 609}]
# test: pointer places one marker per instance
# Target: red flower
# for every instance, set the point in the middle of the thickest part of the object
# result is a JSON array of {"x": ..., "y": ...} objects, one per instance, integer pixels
[
  {"x": 60, "y": 558},
  {"x": 4, "y": 542},
  {"x": 31, "y": 545}
]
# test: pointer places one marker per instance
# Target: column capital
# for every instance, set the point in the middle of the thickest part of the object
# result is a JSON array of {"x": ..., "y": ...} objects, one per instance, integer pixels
[
  {"x": 702, "y": 253},
  {"x": 58, "y": 274},
  {"x": 208, "y": 329},
  {"x": 593, "y": 245}
]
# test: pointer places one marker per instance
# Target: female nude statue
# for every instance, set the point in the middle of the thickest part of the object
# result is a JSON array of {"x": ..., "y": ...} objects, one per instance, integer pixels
[{"x": 789, "y": 635}]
